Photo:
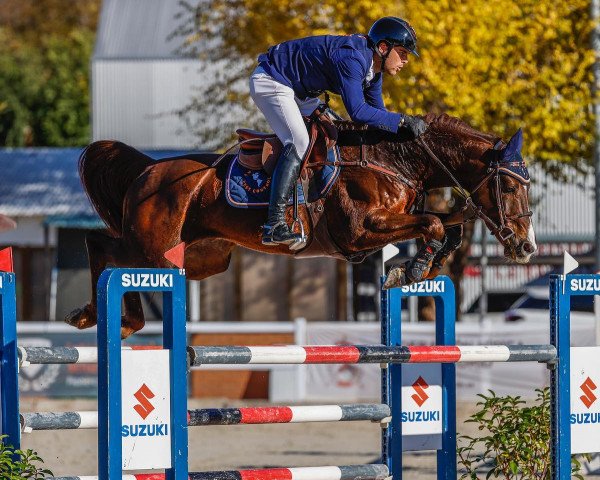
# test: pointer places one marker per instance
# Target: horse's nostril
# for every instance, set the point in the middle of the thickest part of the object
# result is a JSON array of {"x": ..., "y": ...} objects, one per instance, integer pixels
[{"x": 528, "y": 248}]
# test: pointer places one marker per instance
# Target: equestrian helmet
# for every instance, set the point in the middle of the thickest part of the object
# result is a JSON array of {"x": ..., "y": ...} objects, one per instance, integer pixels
[{"x": 395, "y": 32}]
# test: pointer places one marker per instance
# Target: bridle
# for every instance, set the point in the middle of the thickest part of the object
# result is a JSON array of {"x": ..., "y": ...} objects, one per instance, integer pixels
[{"x": 496, "y": 168}]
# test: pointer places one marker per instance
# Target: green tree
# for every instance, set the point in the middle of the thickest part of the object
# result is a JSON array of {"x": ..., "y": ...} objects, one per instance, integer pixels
[{"x": 45, "y": 50}]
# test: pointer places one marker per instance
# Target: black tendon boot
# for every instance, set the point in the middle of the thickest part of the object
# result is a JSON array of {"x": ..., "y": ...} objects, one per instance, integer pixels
[
  {"x": 416, "y": 268},
  {"x": 276, "y": 231},
  {"x": 452, "y": 241}
]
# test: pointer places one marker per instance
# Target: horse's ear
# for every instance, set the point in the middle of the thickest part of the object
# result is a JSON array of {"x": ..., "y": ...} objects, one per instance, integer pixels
[{"x": 515, "y": 144}]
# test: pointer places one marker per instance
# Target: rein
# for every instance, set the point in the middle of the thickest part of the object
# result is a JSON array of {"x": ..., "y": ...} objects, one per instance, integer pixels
[{"x": 503, "y": 231}]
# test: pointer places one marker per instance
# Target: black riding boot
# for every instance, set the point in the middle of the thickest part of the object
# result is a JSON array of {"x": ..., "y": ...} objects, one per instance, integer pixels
[{"x": 276, "y": 231}]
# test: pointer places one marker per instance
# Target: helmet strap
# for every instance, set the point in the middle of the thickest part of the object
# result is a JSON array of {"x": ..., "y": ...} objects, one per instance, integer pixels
[{"x": 384, "y": 56}]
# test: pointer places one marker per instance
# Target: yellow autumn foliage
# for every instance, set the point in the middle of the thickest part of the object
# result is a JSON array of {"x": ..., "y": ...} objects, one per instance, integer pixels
[{"x": 497, "y": 64}]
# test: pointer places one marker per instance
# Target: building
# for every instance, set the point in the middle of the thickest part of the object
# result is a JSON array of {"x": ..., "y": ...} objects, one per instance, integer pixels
[{"x": 139, "y": 80}]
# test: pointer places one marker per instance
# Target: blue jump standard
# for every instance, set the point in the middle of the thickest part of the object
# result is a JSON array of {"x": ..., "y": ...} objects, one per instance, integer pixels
[
  {"x": 111, "y": 289},
  {"x": 110, "y": 294}
]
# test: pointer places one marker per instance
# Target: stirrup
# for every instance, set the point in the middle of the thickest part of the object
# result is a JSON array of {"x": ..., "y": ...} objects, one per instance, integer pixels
[{"x": 301, "y": 242}]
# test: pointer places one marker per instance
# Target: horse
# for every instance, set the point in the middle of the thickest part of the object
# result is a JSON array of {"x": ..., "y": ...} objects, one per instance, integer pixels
[{"x": 151, "y": 206}]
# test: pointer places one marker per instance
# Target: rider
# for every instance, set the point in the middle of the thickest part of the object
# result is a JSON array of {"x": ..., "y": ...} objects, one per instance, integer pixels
[{"x": 290, "y": 77}]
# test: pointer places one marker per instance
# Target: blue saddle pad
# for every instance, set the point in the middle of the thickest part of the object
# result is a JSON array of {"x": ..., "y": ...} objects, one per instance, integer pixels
[{"x": 247, "y": 188}]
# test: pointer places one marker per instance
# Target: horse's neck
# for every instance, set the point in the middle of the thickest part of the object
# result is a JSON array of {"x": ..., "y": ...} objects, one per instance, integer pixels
[
  {"x": 411, "y": 162},
  {"x": 467, "y": 169}
]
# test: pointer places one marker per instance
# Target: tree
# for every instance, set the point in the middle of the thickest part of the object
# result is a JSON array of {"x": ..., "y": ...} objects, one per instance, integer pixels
[
  {"x": 33, "y": 20},
  {"x": 45, "y": 48},
  {"x": 497, "y": 64},
  {"x": 502, "y": 64}
]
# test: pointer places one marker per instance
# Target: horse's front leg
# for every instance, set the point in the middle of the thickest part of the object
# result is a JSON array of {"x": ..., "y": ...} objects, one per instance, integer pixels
[
  {"x": 452, "y": 241},
  {"x": 404, "y": 227}
]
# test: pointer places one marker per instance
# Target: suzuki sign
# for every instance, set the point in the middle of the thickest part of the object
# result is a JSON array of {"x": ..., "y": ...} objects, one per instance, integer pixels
[
  {"x": 585, "y": 404},
  {"x": 146, "y": 409}
]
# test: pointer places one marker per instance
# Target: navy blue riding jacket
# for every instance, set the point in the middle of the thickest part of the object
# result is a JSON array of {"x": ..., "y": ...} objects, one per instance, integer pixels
[{"x": 339, "y": 64}]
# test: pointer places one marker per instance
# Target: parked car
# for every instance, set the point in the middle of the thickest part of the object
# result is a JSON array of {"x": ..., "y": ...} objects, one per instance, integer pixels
[
  {"x": 534, "y": 304},
  {"x": 498, "y": 301}
]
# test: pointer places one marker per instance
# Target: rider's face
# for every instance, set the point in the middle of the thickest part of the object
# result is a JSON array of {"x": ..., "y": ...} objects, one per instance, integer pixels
[{"x": 396, "y": 60}]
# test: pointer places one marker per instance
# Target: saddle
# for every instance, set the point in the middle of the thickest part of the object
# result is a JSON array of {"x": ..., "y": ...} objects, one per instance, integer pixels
[{"x": 260, "y": 151}]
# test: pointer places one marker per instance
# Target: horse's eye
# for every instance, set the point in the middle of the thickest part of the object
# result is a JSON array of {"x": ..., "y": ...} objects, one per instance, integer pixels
[{"x": 510, "y": 190}]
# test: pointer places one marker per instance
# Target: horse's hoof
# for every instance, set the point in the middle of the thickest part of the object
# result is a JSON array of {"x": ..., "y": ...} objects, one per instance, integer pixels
[
  {"x": 79, "y": 318},
  {"x": 396, "y": 277},
  {"x": 129, "y": 326},
  {"x": 126, "y": 332}
]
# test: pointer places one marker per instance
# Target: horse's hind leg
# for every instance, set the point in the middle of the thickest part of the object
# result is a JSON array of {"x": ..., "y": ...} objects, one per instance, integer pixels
[
  {"x": 104, "y": 250},
  {"x": 99, "y": 247},
  {"x": 133, "y": 320}
]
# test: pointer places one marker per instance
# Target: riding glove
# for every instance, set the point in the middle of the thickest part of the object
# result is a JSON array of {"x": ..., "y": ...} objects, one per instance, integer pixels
[{"x": 416, "y": 125}]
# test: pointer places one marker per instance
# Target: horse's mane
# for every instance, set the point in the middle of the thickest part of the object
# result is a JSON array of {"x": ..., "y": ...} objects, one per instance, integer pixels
[
  {"x": 449, "y": 136},
  {"x": 439, "y": 126}
]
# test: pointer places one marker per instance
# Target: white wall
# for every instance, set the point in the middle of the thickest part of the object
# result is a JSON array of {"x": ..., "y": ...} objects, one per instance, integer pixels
[
  {"x": 134, "y": 101},
  {"x": 29, "y": 233}
]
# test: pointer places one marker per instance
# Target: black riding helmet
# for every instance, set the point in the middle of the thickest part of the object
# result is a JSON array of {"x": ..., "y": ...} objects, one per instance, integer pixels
[{"x": 395, "y": 32}]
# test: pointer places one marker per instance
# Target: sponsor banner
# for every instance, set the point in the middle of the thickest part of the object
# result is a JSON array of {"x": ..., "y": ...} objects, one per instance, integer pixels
[
  {"x": 76, "y": 380},
  {"x": 1, "y": 394},
  {"x": 429, "y": 286},
  {"x": 333, "y": 382},
  {"x": 588, "y": 285},
  {"x": 421, "y": 407},
  {"x": 585, "y": 400},
  {"x": 146, "y": 400},
  {"x": 147, "y": 280}
]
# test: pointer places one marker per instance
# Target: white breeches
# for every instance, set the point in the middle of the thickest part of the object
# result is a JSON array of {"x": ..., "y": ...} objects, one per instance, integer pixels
[{"x": 282, "y": 109}]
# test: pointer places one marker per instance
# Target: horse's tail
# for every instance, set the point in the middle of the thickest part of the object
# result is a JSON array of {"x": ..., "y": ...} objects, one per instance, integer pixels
[{"x": 106, "y": 169}]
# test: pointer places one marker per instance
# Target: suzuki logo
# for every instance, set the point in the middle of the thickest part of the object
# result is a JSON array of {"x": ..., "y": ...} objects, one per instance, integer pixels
[
  {"x": 145, "y": 407},
  {"x": 588, "y": 398},
  {"x": 420, "y": 397}
]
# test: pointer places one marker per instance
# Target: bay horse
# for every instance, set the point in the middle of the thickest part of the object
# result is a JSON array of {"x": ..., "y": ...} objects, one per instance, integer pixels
[{"x": 150, "y": 206}]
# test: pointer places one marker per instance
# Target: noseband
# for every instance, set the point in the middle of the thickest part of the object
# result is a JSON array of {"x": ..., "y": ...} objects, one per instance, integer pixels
[{"x": 495, "y": 169}]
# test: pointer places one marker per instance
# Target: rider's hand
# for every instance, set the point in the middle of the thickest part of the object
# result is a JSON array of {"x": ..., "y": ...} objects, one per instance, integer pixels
[{"x": 416, "y": 125}]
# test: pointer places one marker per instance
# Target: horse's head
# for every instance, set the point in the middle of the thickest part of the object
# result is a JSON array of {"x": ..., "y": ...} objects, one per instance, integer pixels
[{"x": 503, "y": 195}]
